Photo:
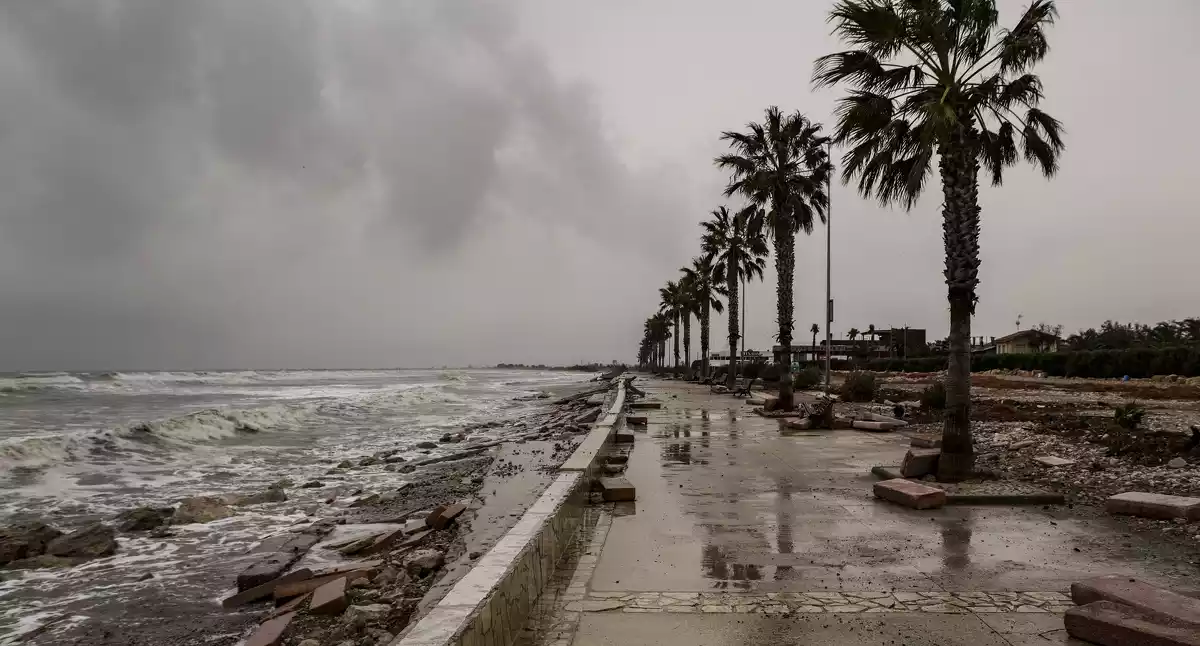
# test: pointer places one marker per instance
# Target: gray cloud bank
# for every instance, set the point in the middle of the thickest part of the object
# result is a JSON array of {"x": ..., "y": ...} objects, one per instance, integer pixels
[{"x": 295, "y": 183}]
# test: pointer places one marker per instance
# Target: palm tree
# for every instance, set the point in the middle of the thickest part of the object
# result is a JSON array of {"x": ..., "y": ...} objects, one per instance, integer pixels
[
  {"x": 706, "y": 284},
  {"x": 672, "y": 297},
  {"x": 940, "y": 79},
  {"x": 781, "y": 167},
  {"x": 687, "y": 306},
  {"x": 657, "y": 330},
  {"x": 815, "y": 329},
  {"x": 738, "y": 246},
  {"x": 871, "y": 333}
]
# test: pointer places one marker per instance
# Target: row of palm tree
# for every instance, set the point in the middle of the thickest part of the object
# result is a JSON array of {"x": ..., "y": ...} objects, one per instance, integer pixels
[{"x": 927, "y": 79}]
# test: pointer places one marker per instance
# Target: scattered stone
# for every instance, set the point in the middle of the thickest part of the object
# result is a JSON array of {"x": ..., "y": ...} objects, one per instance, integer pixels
[
  {"x": 910, "y": 494},
  {"x": 88, "y": 542},
  {"x": 445, "y": 515},
  {"x": 270, "y": 633},
  {"x": 201, "y": 509},
  {"x": 272, "y": 494},
  {"x": 427, "y": 445},
  {"x": 273, "y": 565},
  {"x": 358, "y": 545},
  {"x": 1023, "y": 444},
  {"x": 1113, "y": 624},
  {"x": 920, "y": 462},
  {"x": 1154, "y": 505},
  {"x": 146, "y": 577},
  {"x": 422, "y": 562},
  {"x": 1177, "y": 463},
  {"x": 1052, "y": 461},
  {"x": 614, "y": 469},
  {"x": 291, "y": 589},
  {"x": 366, "y": 500},
  {"x": 1143, "y": 597},
  {"x": 266, "y": 589},
  {"x": 415, "y": 525},
  {"x": 368, "y": 461},
  {"x": 926, "y": 441},
  {"x": 617, "y": 490},
  {"x": 802, "y": 424},
  {"x": 367, "y": 614},
  {"x": 408, "y": 468},
  {"x": 142, "y": 519},
  {"x": 312, "y": 484},
  {"x": 330, "y": 598},
  {"x": 344, "y": 464},
  {"x": 25, "y": 540}
]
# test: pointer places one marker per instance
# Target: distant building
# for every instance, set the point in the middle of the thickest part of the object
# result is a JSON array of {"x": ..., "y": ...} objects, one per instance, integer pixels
[
  {"x": 887, "y": 342},
  {"x": 1027, "y": 342},
  {"x": 753, "y": 356}
]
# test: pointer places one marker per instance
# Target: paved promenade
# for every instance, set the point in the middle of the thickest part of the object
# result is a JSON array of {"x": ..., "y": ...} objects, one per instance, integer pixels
[{"x": 747, "y": 533}]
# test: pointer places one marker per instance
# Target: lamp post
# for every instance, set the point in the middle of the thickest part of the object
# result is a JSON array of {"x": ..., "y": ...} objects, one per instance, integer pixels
[{"x": 828, "y": 268}]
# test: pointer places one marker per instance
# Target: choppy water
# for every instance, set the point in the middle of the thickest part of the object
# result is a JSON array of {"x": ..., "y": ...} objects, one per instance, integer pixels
[{"x": 75, "y": 447}]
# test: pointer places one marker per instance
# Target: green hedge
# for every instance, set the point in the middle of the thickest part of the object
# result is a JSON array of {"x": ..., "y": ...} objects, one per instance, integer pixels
[{"x": 1182, "y": 361}]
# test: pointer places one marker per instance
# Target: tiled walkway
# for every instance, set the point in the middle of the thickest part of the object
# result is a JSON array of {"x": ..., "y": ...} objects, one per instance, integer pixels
[{"x": 744, "y": 532}]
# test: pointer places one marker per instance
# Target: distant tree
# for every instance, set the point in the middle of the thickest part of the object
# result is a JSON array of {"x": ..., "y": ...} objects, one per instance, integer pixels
[
  {"x": 739, "y": 248},
  {"x": 707, "y": 284},
  {"x": 815, "y": 329},
  {"x": 673, "y": 301}
]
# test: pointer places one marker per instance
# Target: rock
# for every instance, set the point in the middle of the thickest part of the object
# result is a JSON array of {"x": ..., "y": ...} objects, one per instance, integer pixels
[
  {"x": 201, "y": 509},
  {"x": 920, "y": 462},
  {"x": 382, "y": 637},
  {"x": 344, "y": 464},
  {"x": 1114, "y": 624},
  {"x": 309, "y": 642},
  {"x": 623, "y": 437},
  {"x": 1153, "y": 600},
  {"x": 266, "y": 589},
  {"x": 871, "y": 425},
  {"x": 312, "y": 484},
  {"x": 422, "y": 562},
  {"x": 407, "y": 468},
  {"x": 926, "y": 441},
  {"x": 910, "y": 494},
  {"x": 587, "y": 417},
  {"x": 446, "y": 516},
  {"x": 299, "y": 587},
  {"x": 25, "y": 540},
  {"x": 614, "y": 469},
  {"x": 270, "y": 495},
  {"x": 1023, "y": 444},
  {"x": 142, "y": 519},
  {"x": 1177, "y": 463},
  {"x": 270, "y": 633},
  {"x": 617, "y": 459},
  {"x": 1052, "y": 461},
  {"x": 161, "y": 532},
  {"x": 329, "y": 599},
  {"x": 370, "y": 460},
  {"x": 284, "y": 483},
  {"x": 88, "y": 542},
  {"x": 427, "y": 445},
  {"x": 367, "y": 614},
  {"x": 1153, "y": 505},
  {"x": 387, "y": 576},
  {"x": 43, "y": 562}
]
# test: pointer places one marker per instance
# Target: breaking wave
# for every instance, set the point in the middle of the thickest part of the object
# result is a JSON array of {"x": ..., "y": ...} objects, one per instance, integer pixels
[{"x": 26, "y": 383}]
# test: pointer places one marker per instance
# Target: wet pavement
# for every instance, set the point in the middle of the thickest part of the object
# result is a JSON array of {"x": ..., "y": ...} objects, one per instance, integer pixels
[{"x": 745, "y": 532}]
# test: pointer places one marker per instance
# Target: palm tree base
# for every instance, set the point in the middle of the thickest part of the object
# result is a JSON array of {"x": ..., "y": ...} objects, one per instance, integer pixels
[{"x": 955, "y": 467}]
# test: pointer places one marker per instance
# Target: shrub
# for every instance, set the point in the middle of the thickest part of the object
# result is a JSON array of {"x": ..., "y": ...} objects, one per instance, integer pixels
[
  {"x": 859, "y": 387},
  {"x": 751, "y": 370},
  {"x": 934, "y": 397},
  {"x": 769, "y": 374},
  {"x": 1129, "y": 415},
  {"x": 806, "y": 379}
]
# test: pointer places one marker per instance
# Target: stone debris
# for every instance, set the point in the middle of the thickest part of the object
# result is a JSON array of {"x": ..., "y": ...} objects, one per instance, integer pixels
[
  {"x": 1052, "y": 461},
  {"x": 291, "y": 589},
  {"x": 266, "y": 589},
  {"x": 1113, "y": 624},
  {"x": 617, "y": 490},
  {"x": 1154, "y": 505},
  {"x": 910, "y": 494},
  {"x": 645, "y": 405},
  {"x": 920, "y": 462},
  {"x": 617, "y": 459},
  {"x": 1159, "y": 602},
  {"x": 926, "y": 441},
  {"x": 330, "y": 598},
  {"x": 802, "y": 424},
  {"x": 143, "y": 519},
  {"x": 93, "y": 540},
  {"x": 636, "y": 420},
  {"x": 445, "y": 516},
  {"x": 270, "y": 633},
  {"x": 871, "y": 425},
  {"x": 1023, "y": 444},
  {"x": 623, "y": 437},
  {"x": 201, "y": 509},
  {"x": 25, "y": 540}
]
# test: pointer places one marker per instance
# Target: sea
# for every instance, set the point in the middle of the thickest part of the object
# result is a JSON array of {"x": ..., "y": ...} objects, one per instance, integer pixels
[{"x": 76, "y": 447}]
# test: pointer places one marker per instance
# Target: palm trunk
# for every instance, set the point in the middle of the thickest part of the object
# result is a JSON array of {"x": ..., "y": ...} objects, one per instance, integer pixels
[
  {"x": 785, "y": 267},
  {"x": 731, "y": 280},
  {"x": 960, "y": 232},
  {"x": 704, "y": 337},
  {"x": 687, "y": 345},
  {"x": 676, "y": 341}
]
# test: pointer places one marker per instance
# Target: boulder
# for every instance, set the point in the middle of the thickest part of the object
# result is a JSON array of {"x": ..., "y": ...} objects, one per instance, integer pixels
[
  {"x": 266, "y": 589},
  {"x": 91, "y": 541},
  {"x": 920, "y": 462},
  {"x": 25, "y": 540},
  {"x": 144, "y": 519},
  {"x": 43, "y": 562},
  {"x": 201, "y": 509},
  {"x": 422, "y": 562}
]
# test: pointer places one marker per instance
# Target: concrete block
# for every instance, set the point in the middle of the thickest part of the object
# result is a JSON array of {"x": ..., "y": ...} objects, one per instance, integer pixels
[
  {"x": 1114, "y": 624},
  {"x": 330, "y": 599},
  {"x": 926, "y": 441},
  {"x": 910, "y": 494},
  {"x": 770, "y": 402},
  {"x": 617, "y": 490},
  {"x": 867, "y": 425},
  {"x": 756, "y": 401},
  {"x": 1139, "y": 595},
  {"x": 264, "y": 590},
  {"x": 623, "y": 437},
  {"x": 636, "y": 420},
  {"x": 296, "y": 588},
  {"x": 802, "y": 424},
  {"x": 267, "y": 569},
  {"x": 617, "y": 459},
  {"x": 1052, "y": 461},
  {"x": 920, "y": 462},
  {"x": 270, "y": 633},
  {"x": 1154, "y": 505},
  {"x": 645, "y": 405},
  {"x": 448, "y": 515}
]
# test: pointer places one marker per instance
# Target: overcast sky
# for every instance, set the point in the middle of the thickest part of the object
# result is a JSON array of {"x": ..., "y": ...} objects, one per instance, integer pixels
[{"x": 311, "y": 183}]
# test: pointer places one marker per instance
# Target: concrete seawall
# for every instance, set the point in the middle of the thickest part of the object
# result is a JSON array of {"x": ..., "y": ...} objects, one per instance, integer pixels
[{"x": 490, "y": 604}]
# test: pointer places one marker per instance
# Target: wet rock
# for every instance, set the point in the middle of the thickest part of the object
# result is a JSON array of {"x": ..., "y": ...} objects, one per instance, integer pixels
[
  {"x": 161, "y": 532},
  {"x": 408, "y": 468},
  {"x": 270, "y": 495},
  {"x": 370, "y": 460},
  {"x": 1177, "y": 463},
  {"x": 367, "y": 614},
  {"x": 43, "y": 562},
  {"x": 381, "y": 637},
  {"x": 146, "y": 577},
  {"x": 25, "y": 540},
  {"x": 284, "y": 483},
  {"x": 344, "y": 464},
  {"x": 422, "y": 562},
  {"x": 309, "y": 642},
  {"x": 312, "y": 484},
  {"x": 143, "y": 519},
  {"x": 427, "y": 445},
  {"x": 88, "y": 542},
  {"x": 201, "y": 509}
]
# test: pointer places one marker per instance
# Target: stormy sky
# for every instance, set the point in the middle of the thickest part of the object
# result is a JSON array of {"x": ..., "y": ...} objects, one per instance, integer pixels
[{"x": 321, "y": 183}]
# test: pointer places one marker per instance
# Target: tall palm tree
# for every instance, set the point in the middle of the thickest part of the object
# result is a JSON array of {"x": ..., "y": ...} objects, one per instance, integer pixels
[
  {"x": 658, "y": 330},
  {"x": 815, "y": 329},
  {"x": 853, "y": 333},
  {"x": 939, "y": 78},
  {"x": 687, "y": 306},
  {"x": 781, "y": 167},
  {"x": 672, "y": 297},
  {"x": 871, "y": 332},
  {"x": 739, "y": 247},
  {"x": 706, "y": 284}
]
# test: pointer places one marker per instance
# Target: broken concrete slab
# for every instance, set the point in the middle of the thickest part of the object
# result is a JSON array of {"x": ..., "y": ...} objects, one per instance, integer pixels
[
  {"x": 617, "y": 490},
  {"x": 1139, "y": 595},
  {"x": 289, "y": 590},
  {"x": 617, "y": 459},
  {"x": 1023, "y": 444},
  {"x": 447, "y": 515},
  {"x": 802, "y": 424},
  {"x": 330, "y": 599},
  {"x": 920, "y": 462},
  {"x": 868, "y": 425},
  {"x": 636, "y": 420},
  {"x": 1052, "y": 461},
  {"x": 756, "y": 401},
  {"x": 1114, "y": 624},
  {"x": 270, "y": 567},
  {"x": 926, "y": 441},
  {"x": 587, "y": 417},
  {"x": 645, "y": 405},
  {"x": 1154, "y": 505},
  {"x": 266, "y": 589},
  {"x": 770, "y": 402},
  {"x": 623, "y": 437},
  {"x": 910, "y": 494},
  {"x": 270, "y": 633},
  {"x": 614, "y": 469},
  {"x": 886, "y": 472}
]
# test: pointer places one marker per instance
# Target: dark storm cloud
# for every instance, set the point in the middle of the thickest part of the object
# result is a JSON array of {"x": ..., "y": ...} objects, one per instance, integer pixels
[{"x": 282, "y": 182}]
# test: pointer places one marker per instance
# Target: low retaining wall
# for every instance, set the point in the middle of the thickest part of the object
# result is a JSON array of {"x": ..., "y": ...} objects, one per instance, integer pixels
[{"x": 490, "y": 604}]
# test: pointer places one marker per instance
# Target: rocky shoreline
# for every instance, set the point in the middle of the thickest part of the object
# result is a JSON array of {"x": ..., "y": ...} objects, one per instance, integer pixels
[{"x": 393, "y": 546}]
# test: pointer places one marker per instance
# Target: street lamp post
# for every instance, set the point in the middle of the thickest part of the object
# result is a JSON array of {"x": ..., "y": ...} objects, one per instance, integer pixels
[{"x": 828, "y": 269}]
